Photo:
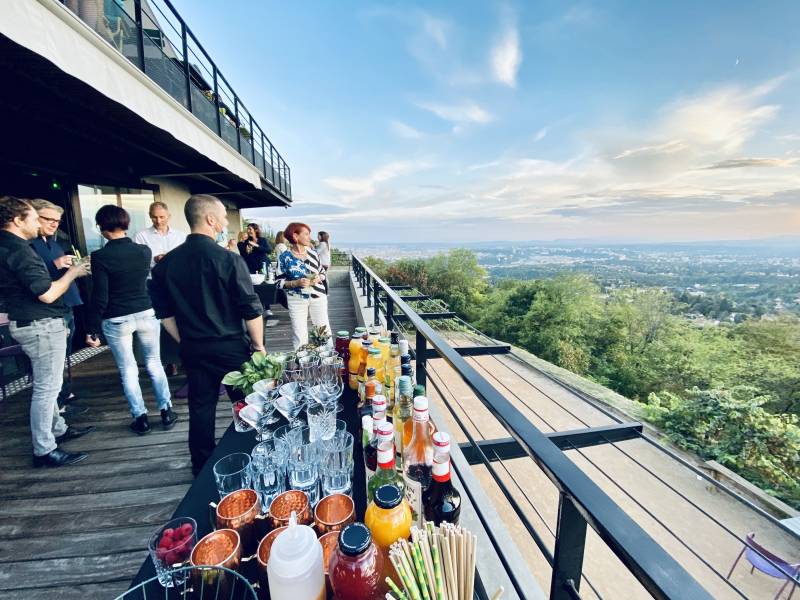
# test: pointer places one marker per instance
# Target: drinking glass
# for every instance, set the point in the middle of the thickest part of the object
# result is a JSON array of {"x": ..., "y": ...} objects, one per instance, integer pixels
[
  {"x": 265, "y": 419},
  {"x": 303, "y": 464},
  {"x": 290, "y": 408},
  {"x": 268, "y": 472},
  {"x": 239, "y": 424},
  {"x": 321, "y": 421},
  {"x": 231, "y": 473},
  {"x": 336, "y": 465},
  {"x": 172, "y": 545},
  {"x": 265, "y": 388}
]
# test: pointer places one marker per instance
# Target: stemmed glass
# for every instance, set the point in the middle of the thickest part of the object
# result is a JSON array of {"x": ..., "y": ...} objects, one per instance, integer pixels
[
  {"x": 266, "y": 417},
  {"x": 331, "y": 379},
  {"x": 309, "y": 367},
  {"x": 290, "y": 407},
  {"x": 266, "y": 388}
]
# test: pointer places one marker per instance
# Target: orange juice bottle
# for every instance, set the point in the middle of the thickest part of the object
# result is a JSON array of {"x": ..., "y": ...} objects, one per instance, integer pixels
[
  {"x": 375, "y": 361},
  {"x": 355, "y": 359},
  {"x": 361, "y": 375}
]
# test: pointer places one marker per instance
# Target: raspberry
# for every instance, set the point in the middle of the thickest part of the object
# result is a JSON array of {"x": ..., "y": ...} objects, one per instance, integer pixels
[{"x": 186, "y": 529}]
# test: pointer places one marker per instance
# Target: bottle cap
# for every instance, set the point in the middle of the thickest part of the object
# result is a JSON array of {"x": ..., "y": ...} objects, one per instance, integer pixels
[
  {"x": 419, "y": 390},
  {"x": 385, "y": 430},
  {"x": 342, "y": 333},
  {"x": 360, "y": 329},
  {"x": 388, "y": 496},
  {"x": 404, "y": 383},
  {"x": 404, "y": 347},
  {"x": 366, "y": 344},
  {"x": 406, "y": 370},
  {"x": 421, "y": 408},
  {"x": 441, "y": 441},
  {"x": 354, "y": 539},
  {"x": 371, "y": 371},
  {"x": 376, "y": 423},
  {"x": 366, "y": 423},
  {"x": 395, "y": 337},
  {"x": 378, "y": 403},
  {"x": 405, "y": 359},
  {"x": 355, "y": 336},
  {"x": 375, "y": 351},
  {"x": 369, "y": 388},
  {"x": 383, "y": 340}
]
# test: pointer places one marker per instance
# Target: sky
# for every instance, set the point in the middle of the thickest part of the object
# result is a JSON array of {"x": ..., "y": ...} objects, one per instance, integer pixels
[{"x": 477, "y": 121}]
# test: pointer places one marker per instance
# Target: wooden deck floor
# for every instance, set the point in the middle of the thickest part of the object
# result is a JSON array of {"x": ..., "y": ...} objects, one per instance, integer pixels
[{"x": 82, "y": 531}]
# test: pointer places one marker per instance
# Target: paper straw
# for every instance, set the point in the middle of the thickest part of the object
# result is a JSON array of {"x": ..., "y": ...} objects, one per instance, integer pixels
[
  {"x": 397, "y": 591},
  {"x": 425, "y": 553},
  {"x": 410, "y": 573},
  {"x": 437, "y": 572},
  {"x": 408, "y": 582},
  {"x": 499, "y": 593},
  {"x": 423, "y": 584}
]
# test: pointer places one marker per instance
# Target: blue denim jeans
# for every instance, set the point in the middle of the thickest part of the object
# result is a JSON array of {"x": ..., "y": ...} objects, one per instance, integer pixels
[
  {"x": 45, "y": 343},
  {"x": 119, "y": 334}
]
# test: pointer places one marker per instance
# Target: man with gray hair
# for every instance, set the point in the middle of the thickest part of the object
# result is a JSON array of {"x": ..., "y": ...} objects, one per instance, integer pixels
[
  {"x": 202, "y": 293},
  {"x": 50, "y": 251},
  {"x": 160, "y": 238}
]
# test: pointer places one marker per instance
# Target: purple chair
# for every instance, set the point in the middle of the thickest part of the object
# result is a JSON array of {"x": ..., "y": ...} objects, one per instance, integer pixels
[
  {"x": 765, "y": 561},
  {"x": 12, "y": 350}
]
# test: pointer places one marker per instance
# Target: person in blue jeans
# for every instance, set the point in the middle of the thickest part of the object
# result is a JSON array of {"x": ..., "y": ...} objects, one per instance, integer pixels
[{"x": 120, "y": 307}]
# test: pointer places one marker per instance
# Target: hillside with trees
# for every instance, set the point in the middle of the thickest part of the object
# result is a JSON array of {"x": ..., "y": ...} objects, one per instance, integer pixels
[{"x": 730, "y": 393}]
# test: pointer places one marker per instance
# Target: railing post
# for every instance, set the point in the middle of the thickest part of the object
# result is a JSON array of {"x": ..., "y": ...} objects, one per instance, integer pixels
[
  {"x": 568, "y": 555},
  {"x": 389, "y": 313},
  {"x": 376, "y": 291},
  {"x": 238, "y": 124},
  {"x": 137, "y": 16},
  {"x": 421, "y": 349},
  {"x": 216, "y": 101},
  {"x": 366, "y": 289},
  {"x": 252, "y": 140},
  {"x": 186, "y": 70}
]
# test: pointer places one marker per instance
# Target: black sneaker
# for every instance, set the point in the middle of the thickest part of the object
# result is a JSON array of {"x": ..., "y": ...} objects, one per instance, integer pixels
[
  {"x": 58, "y": 458},
  {"x": 168, "y": 418},
  {"x": 140, "y": 425}
]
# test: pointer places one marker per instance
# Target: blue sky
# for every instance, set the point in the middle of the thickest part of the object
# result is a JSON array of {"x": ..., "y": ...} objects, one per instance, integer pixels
[{"x": 523, "y": 121}]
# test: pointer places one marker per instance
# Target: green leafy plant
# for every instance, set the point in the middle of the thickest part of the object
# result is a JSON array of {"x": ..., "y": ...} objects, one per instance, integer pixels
[{"x": 260, "y": 366}]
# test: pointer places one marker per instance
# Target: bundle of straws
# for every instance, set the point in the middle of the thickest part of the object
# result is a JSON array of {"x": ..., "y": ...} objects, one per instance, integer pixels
[{"x": 439, "y": 564}]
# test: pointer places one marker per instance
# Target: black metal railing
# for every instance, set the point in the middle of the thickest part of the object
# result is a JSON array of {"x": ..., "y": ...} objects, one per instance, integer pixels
[
  {"x": 581, "y": 501},
  {"x": 157, "y": 40}
]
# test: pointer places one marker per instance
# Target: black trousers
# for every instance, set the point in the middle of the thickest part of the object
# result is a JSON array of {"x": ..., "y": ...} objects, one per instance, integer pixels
[{"x": 206, "y": 364}]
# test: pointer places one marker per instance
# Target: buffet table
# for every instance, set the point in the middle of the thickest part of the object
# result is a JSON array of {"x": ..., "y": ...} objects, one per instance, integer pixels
[{"x": 204, "y": 489}]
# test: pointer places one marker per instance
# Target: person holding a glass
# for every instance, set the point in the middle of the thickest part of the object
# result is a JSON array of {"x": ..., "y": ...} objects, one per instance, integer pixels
[{"x": 301, "y": 276}]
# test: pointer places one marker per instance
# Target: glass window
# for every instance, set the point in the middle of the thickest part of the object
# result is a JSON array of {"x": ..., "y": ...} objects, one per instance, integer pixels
[{"x": 92, "y": 197}]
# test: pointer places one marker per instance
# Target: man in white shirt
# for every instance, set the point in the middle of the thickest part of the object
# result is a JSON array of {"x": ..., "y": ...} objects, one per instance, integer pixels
[{"x": 160, "y": 238}]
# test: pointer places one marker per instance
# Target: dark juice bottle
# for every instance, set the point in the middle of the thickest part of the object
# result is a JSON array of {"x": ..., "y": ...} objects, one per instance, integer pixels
[
  {"x": 356, "y": 568},
  {"x": 441, "y": 501}
]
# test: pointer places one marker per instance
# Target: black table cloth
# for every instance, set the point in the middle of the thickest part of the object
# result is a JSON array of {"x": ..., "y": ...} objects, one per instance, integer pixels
[{"x": 204, "y": 488}]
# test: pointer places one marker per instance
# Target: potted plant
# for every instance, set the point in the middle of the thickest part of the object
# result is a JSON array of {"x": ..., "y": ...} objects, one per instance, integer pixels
[{"x": 259, "y": 367}]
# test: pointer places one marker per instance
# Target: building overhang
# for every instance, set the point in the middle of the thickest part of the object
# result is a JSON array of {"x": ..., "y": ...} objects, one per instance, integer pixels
[{"x": 75, "y": 107}]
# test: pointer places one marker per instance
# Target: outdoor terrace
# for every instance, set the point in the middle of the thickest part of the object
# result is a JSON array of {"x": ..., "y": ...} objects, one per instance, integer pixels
[{"x": 656, "y": 526}]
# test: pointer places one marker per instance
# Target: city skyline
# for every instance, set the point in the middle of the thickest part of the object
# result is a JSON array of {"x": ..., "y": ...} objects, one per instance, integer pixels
[{"x": 507, "y": 121}]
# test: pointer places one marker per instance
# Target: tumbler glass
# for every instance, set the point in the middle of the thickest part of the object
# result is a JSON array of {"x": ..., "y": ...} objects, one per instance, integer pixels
[
  {"x": 268, "y": 472},
  {"x": 321, "y": 421},
  {"x": 336, "y": 465},
  {"x": 231, "y": 473},
  {"x": 172, "y": 545},
  {"x": 303, "y": 466}
]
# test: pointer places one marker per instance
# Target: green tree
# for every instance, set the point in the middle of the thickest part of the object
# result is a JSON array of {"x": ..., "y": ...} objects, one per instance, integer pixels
[{"x": 732, "y": 427}]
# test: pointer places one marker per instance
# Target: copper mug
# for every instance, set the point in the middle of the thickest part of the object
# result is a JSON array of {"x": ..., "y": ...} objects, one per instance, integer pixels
[
  {"x": 329, "y": 541},
  {"x": 284, "y": 504},
  {"x": 334, "y": 513},
  {"x": 241, "y": 511},
  {"x": 221, "y": 548},
  {"x": 262, "y": 555}
]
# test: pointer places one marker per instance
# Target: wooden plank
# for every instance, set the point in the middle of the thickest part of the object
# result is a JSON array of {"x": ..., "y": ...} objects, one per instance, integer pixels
[
  {"x": 108, "y": 590},
  {"x": 111, "y": 541}
]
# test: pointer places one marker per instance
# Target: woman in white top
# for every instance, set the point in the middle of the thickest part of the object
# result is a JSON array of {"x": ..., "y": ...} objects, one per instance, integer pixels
[
  {"x": 301, "y": 276},
  {"x": 280, "y": 244},
  {"x": 324, "y": 252}
]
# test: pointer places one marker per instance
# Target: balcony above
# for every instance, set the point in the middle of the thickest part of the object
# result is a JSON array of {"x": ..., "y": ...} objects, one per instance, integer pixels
[{"x": 115, "y": 92}]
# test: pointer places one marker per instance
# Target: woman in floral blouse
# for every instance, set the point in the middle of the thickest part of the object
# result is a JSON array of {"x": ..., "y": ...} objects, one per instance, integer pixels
[{"x": 301, "y": 276}]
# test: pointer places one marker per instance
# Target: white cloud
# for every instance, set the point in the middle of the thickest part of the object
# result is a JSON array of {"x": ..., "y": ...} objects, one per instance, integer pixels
[
  {"x": 466, "y": 112},
  {"x": 506, "y": 57},
  {"x": 541, "y": 134},
  {"x": 665, "y": 148},
  {"x": 435, "y": 28},
  {"x": 356, "y": 188},
  {"x": 405, "y": 131}
]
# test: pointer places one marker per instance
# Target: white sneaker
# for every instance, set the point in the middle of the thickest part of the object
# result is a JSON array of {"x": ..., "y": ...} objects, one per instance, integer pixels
[{"x": 269, "y": 313}]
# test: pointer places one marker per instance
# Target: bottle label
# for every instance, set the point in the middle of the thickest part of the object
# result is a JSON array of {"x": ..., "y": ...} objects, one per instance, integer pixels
[
  {"x": 441, "y": 471},
  {"x": 414, "y": 498},
  {"x": 386, "y": 456}
]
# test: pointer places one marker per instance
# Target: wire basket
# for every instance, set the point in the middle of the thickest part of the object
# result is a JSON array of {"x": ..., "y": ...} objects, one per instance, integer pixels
[{"x": 195, "y": 583}]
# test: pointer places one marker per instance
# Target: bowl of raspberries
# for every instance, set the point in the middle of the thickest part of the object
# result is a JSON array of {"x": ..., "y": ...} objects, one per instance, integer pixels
[{"x": 171, "y": 546}]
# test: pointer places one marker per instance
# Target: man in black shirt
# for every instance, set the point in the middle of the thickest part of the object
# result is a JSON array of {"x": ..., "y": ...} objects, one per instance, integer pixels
[
  {"x": 36, "y": 313},
  {"x": 202, "y": 293}
]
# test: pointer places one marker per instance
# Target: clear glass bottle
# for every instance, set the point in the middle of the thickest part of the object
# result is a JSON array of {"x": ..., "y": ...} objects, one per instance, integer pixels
[
  {"x": 356, "y": 567},
  {"x": 368, "y": 389},
  {"x": 408, "y": 428},
  {"x": 441, "y": 502},
  {"x": 418, "y": 458},
  {"x": 386, "y": 471},
  {"x": 371, "y": 451},
  {"x": 403, "y": 410}
]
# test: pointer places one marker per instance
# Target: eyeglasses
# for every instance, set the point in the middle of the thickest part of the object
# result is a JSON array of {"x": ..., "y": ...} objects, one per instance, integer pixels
[{"x": 49, "y": 220}]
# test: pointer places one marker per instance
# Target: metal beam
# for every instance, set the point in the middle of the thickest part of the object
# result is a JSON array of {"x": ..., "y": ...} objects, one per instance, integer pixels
[
  {"x": 474, "y": 351},
  {"x": 189, "y": 174},
  {"x": 415, "y": 298},
  {"x": 428, "y": 316},
  {"x": 508, "y": 448},
  {"x": 401, "y": 287}
]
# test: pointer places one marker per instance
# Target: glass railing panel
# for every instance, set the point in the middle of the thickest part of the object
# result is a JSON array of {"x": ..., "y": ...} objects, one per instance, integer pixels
[
  {"x": 229, "y": 132},
  {"x": 203, "y": 107},
  {"x": 164, "y": 70}
]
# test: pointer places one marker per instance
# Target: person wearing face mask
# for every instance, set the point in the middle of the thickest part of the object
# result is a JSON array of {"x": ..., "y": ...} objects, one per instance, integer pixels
[{"x": 202, "y": 293}]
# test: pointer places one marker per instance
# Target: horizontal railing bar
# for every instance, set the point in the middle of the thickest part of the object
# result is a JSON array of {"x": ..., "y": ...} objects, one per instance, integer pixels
[
  {"x": 430, "y": 315},
  {"x": 658, "y": 572},
  {"x": 396, "y": 287},
  {"x": 473, "y": 351},
  {"x": 508, "y": 448},
  {"x": 415, "y": 298}
]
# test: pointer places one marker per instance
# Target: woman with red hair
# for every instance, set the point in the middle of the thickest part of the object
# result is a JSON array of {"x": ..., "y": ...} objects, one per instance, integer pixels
[{"x": 301, "y": 275}]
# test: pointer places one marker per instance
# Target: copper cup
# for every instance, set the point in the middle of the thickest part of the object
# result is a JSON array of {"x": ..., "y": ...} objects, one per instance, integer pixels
[
  {"x": 241, "y": 511},
  {"x": 262, "y": 555},
  {"x": 284, "y": 504},
  {"x": 329, "y": 541},
  {"x": 333, "y": 513},
  {"x": 221, "y": 548}
]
